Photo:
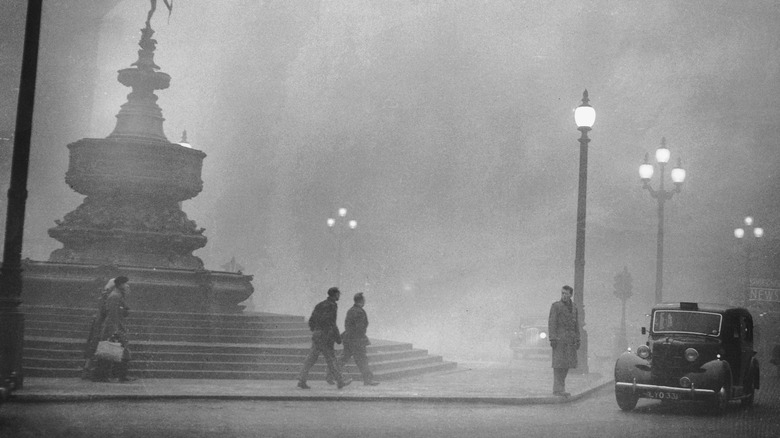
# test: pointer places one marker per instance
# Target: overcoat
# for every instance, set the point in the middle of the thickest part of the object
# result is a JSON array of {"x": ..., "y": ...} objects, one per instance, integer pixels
[
  {"x": 322, "y": 323},
  {"x": 564, "y": 331},
  {"x": 114, "y": 322},
  {"x": 355, "y": 326}
]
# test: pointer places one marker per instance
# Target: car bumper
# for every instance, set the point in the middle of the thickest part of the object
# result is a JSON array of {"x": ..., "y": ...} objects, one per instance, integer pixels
[{"x": 644, "y": 390}]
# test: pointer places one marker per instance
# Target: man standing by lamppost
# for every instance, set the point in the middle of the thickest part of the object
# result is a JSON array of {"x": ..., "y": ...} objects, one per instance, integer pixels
[
  {"x": 584, "y": 116},
  {"x": 739, "y": 233},
  {"x": 340, "y": 227},
  {"x": 662, "y": 155},
  {"x": 563, "y": 327}
]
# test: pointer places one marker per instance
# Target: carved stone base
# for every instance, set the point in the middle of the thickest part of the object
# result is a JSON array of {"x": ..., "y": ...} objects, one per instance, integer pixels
[{"x": 170, "y": 290}]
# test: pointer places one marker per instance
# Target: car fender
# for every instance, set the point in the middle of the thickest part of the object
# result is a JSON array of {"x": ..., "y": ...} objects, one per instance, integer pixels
[
  {"x": 629, "y": 368},
  {"x": 712, "y": 375}
]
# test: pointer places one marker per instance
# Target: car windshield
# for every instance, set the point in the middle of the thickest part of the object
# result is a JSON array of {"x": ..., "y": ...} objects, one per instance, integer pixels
[{"x": 680, "y": 321}]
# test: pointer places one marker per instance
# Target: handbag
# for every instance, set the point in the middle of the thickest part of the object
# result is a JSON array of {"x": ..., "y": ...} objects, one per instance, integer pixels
[{"x": 110, "y": 351}]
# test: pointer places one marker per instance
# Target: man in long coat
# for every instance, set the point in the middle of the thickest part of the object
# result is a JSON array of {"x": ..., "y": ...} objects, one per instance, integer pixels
[
  {"x": 355, "y": 340},
  {"x": 564, "y": 332},
  {"x": 324, "y": 332}
]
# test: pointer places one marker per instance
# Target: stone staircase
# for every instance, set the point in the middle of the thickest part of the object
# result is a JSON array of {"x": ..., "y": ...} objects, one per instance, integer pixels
[{"x": 204, "y": 346}]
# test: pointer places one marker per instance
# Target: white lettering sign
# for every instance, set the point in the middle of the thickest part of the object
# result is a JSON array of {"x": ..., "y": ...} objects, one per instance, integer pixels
[{"x": 764, "y": 294}]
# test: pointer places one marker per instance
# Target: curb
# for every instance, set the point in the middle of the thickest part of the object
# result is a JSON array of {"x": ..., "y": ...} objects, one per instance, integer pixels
[{"x": 517, "y": 401}]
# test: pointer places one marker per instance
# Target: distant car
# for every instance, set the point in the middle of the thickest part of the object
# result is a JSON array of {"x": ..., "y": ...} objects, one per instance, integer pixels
[
  {"x": 530, "y": 340},
  {"x": 694, "y": 351}
]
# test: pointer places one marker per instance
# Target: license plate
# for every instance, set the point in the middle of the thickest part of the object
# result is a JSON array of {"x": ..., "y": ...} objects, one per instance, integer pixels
[{"x": 663, "y": 395}]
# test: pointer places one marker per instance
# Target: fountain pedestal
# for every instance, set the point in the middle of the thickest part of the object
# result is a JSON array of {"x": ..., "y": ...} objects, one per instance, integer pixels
[{"x": 131, "y": 222}]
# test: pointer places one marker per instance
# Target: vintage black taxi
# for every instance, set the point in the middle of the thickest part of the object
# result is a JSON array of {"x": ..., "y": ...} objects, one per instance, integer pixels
[
  {"x": 530, "y": 340},
  {"x": 694, "y": 351}
]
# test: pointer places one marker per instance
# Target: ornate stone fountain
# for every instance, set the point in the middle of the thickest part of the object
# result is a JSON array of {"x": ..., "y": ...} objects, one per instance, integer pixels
[{"x": 131, "y": 221}]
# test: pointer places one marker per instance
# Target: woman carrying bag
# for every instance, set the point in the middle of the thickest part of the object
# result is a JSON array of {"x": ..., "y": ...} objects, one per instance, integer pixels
[{"x": 112, "y": 329}]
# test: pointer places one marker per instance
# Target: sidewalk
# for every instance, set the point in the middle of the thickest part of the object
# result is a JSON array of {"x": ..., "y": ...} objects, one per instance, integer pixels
[{"x": 526, "y": 382}]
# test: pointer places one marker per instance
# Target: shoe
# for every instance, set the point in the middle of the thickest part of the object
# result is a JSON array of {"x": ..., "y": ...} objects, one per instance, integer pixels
[
  {"x": 330, "y": 381},
  {"x": 303, "y": 385},
  {"x": 371, "y": 383},
  {"x": 344, "y": 382},
  {"x": 561, "y": 394}
]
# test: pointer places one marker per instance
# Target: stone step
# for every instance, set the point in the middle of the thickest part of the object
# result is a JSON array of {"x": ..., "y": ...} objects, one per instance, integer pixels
[
  {"x": 150, "y": 314},
  {"x": 38, "y": 354},
  {"x": 42, "y": 343},
  {"x": 54, "y": 320},
  {"x": 290, "y": 367},
  {"x": 203, "y": 346},
  {"x": 182, "y": 337},
  {"x": 397, "y": 373}
]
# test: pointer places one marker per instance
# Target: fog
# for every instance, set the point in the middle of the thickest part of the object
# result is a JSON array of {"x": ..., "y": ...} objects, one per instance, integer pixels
[{"x": 446, "y": 129}]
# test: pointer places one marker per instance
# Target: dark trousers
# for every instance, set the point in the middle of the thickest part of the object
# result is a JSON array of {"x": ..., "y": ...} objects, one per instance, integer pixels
[
  {"x": 559, "y": 379},
  {"x": 321, "y": 345},
  {"x": 361, "y": 359}
]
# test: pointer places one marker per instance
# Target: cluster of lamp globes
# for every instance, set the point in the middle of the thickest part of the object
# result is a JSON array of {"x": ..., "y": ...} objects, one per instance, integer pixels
[
  {"x": 342, "y": 213},
  {"x": 740, "y": 232}
]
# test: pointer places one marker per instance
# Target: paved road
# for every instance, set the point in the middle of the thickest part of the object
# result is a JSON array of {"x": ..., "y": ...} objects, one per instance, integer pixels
[{"x": 594, "y": 416}]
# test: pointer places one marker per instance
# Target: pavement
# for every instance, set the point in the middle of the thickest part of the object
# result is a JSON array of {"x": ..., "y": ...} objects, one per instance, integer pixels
[{"x": 510, "y": 383}]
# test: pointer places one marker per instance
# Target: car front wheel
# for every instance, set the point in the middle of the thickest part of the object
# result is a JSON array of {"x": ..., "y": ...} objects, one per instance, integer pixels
[
  {"x": 750, "y": 392},
  {"x": 626, "y": 400},
  {"x": 721, "y": 399}
]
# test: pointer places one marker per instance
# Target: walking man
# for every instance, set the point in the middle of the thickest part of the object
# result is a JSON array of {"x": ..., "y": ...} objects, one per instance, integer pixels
[
  {"x": 564, "y": 330},
  {"x": 355, "y": 340},
  {"x": 325, "y": 332}
]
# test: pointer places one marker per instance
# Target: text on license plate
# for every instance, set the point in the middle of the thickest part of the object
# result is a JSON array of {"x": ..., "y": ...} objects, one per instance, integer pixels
[{"x": 662, "y": 395}]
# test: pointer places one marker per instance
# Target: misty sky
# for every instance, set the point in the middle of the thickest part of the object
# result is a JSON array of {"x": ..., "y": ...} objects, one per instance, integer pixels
[{"x": 446, "y": 129}]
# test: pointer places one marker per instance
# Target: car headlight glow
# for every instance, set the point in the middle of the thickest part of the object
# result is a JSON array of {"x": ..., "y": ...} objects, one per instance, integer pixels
[
  {"x": 643, "y": 351},
  {"x": 691, "y": 354}
]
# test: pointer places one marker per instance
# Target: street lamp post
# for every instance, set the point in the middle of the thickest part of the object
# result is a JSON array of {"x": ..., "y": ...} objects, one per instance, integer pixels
[
  {"x": 340, "y": 227},
  {"x": 662, "y": 155},
  {"x": 746, "y": 232},
  {"x": 11, "y": 318},
  {"x": 584, "y": 116}
]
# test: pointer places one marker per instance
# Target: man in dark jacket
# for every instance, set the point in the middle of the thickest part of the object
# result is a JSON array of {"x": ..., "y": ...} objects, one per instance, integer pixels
[
  {"x": 355, "y": 340},
  {"x": 564, "y": 330},
  {"x": 325, "y": 332}
]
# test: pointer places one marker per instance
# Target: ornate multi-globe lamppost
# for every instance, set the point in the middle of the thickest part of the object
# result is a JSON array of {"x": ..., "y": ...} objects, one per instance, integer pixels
[
  {"x": 584, "y": 117},
  {"x": 646, "y": 170},
  {"x": 340, "y": 227},
  {"x": 749, "y": 233}
]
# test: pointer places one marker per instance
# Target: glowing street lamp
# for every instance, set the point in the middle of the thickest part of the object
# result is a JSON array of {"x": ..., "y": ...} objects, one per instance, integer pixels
[
  {"x": 749, "y": 233},
  {"x": 662, "y": 156},
  {"x": 584, "y": 117},
  {"x": 340, "y": 227}
]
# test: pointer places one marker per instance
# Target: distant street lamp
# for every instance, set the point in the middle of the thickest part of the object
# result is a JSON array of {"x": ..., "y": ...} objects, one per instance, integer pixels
[
  {"x": 584, "y": 117},
  {"x": 340, "y": 227},
  {"x": 746, "y": 232},
  {"x": 662, "y": 155}
]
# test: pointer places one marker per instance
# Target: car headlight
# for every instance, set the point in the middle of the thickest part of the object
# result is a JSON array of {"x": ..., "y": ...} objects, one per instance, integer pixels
[
  {"x": 691, "y": 354},
  {"x": 542, "y": 335},
  {"x": 643, "y": 351}
]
